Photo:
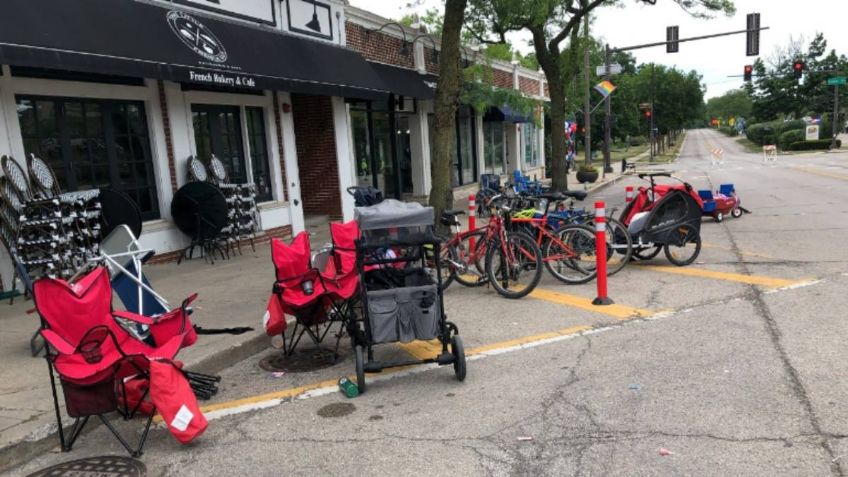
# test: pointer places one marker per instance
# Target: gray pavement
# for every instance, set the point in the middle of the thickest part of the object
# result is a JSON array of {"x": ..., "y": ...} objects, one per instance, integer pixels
[{"x": 736, "y": 368}]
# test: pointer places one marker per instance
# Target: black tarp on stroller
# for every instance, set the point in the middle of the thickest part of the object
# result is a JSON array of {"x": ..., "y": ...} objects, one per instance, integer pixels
[
  {"x": 665, "y": 216},
  {"x": 401, "y": 300}
]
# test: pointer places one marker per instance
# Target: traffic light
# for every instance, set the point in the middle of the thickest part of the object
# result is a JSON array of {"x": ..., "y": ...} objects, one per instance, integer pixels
[
  {"x": 752, "y": 45},
  {"x": 672, "y": 34},
  {"x": 748, "y": 71},
  {"x": 647, "y": 115},
  {"x": 798, "y": 68}
]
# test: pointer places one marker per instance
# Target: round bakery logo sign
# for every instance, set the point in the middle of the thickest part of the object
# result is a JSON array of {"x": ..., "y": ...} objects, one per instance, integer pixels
[{"x": 197, "y": 37}]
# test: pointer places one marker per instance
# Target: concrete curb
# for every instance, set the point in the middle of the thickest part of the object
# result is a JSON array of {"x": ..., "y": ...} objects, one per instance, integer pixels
[{"x": 46, "y": 439}]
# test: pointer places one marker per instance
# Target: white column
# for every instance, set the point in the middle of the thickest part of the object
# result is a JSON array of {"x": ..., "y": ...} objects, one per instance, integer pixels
[
  {"x": 481, "y": 145},
  {"x": 541, "y": 138},
  {"x": 419, "y": 142},
  {"x": 513, "y": 147},
  {"x": 292, "y": 171},
  {"x": 344, "y": 155},
  {"x": 159, "y": 147},
  {"x": 8, "y": 146}
]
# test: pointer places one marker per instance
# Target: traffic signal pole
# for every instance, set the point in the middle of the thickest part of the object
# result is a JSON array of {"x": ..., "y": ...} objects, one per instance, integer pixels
[
  {"x": 752, "y": 28},
  {"x": 835, "y": 118},
  {"x": 608, "y": 118}
]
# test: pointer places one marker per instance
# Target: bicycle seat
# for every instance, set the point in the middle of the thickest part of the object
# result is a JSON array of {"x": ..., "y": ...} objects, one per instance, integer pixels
[
  {"x": 452, "y": 212},
  {"x": 576, "y": 194}
]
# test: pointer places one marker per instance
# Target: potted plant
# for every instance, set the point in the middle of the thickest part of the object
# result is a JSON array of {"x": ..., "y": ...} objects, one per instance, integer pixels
[{"x": 587, "y": 173}]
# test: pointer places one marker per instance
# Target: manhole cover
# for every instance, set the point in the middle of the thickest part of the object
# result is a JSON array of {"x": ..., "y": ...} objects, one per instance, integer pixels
[
  {"x": 337, "y": 409},
  {"x": 300, "y": 361},
  {"x": 105, "y": 466}
]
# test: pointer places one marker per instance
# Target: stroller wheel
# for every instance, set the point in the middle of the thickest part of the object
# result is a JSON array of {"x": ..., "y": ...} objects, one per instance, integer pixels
[
  {"x": 647, "y": 253},
  {"x": 736, "y": 212},
  {"x": 685, "y": 246},
  {"x": 458, "y": 357},
  {"x": 360, "y": 368}
]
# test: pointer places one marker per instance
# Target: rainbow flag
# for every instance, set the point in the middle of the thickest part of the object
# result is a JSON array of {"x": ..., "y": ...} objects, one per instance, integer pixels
[{"x": 605, "y": 88}]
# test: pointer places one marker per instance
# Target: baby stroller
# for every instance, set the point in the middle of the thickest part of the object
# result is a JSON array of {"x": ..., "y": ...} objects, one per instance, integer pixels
[
  {"x": 665, "y": 217},
  {"x": 318, "y": 291},
  {"x": 400, "y": 304}
]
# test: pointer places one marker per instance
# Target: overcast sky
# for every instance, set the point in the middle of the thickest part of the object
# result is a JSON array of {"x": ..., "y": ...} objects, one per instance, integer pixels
[{"x": 714, "y": 59}]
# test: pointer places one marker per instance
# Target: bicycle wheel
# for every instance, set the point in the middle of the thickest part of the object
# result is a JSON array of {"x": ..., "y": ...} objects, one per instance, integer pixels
[
  {"x": 446, "y": 258},
  {"x": 469, "y": 266},
  {"x": 684, "y": 246},
  {"x": 514, "y": 269},
  {"x": 570, "y": 255}
]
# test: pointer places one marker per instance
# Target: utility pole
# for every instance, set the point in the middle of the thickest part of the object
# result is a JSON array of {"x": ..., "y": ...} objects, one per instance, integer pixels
[
  {"x": 608, "y": 118},
  {"x": 651, "y": 133},
  {"x": 835, "y": 119},
  {"x": 587, "y": 108}
]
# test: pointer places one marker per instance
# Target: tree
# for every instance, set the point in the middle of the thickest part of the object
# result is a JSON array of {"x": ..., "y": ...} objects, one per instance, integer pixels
[
  {"x": 776, "y": 94},
  {"x": 447, "y": 101},
  {"x": 732, "y": 104},
  {"x": 550, "y": 23}
]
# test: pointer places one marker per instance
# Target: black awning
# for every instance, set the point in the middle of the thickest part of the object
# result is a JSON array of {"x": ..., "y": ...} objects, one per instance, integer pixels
[
  {"x": 406, "y": 82},
  {"x": 130, "y": 38},
  {"x": 505, "y": 113}
]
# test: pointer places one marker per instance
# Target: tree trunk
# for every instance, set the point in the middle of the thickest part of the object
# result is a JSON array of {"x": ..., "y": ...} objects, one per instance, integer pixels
[
  {"x": 447, "y": 100},
  {"x": 559, "y": 171}
]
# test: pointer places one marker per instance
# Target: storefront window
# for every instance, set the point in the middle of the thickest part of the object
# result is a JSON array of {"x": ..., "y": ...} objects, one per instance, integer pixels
[
  {"x": 258, "y": 143},
  {"x": 372, "y": 142},
  {"x": 92, "y": 144},
  {"x": 531, "y": 145},
  {"x": 494, "y": 150},
  {"x": 464, "y": 154},
  {"x": 217, "y": 130}
]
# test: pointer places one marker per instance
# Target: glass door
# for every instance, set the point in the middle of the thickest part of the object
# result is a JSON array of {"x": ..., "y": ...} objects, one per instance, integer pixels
[
  {"x": 404, "y": 153},
  {"x": 217, "y": 130}
]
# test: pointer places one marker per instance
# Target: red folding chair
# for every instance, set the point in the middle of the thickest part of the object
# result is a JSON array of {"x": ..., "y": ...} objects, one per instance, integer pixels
[
  {"x": 95, "y": 357},
  {"x": 319, "y": 292}
]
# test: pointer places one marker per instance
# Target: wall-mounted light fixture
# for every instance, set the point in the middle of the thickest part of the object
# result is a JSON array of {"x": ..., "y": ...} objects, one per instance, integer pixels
[
  {"x": 404, "y": 47},
  {"x": 435, "y": 48},
  {"x": 314, "y": 24}
]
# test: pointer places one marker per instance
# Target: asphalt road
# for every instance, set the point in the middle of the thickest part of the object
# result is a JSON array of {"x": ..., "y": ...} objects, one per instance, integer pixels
[{"x": 735, "y": 368}]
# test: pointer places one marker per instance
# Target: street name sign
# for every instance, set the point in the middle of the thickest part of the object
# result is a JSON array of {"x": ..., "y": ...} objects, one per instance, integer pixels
[{"x": 836, "y": 80}]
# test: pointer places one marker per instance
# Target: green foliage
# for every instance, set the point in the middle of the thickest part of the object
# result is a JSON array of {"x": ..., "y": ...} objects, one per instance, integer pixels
[
  {"x": 762, "y": 133},
  {"x": 728, "y": 131},
  {"x": 479, "y": 92},
  {"x": 787, "y": 138},
  {"x": 777, "y": 94},
  {"x": 821, "y": 144},
  {"x": 732, "y": 104},
  {"x": 638, "y": 140},
  {"x": 792, "y": 125}
]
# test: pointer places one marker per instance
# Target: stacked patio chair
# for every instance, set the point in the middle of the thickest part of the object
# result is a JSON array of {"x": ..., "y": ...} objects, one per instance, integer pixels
[
  {"x": 240, "y": 199},
  {"x": 104, "y": 368}
]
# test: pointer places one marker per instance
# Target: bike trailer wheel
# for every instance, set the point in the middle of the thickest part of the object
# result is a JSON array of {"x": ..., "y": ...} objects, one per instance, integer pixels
[{"x": 684, "y": 246}]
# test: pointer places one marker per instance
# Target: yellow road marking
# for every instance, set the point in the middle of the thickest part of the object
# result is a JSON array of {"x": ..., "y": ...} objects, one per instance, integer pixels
[
  {"x": 418, "y": 347},
  {"x": 431, "y": 349},
  {"x": 621, "y": 312},
  {"x": 819, "y": 172},
  {"x": 743, "y": 252},
  {"x": 769, "y": 282}
]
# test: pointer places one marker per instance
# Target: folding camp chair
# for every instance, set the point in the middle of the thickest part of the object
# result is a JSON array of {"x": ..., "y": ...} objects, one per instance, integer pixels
[
  {"x": 317, "y": 291},
  {"x": 95, "y": 358}
]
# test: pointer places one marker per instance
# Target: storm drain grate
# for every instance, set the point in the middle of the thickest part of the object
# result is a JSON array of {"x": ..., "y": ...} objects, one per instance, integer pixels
[
  {"x": 300, "y": 361},
  {"x": 104, "y": 466}
]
